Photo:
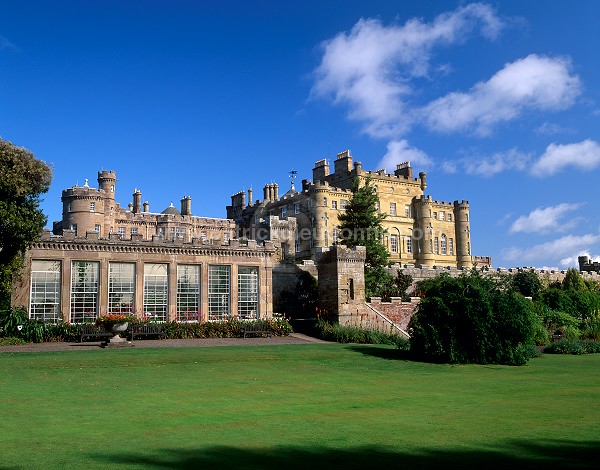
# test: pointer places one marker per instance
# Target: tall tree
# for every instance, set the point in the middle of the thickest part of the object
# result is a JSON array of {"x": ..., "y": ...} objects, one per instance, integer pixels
[
  {"x": 361, "y": 224},
  {"x": 22, "y": 179}
]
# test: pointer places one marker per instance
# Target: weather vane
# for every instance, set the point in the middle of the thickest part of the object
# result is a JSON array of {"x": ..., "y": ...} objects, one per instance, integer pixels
[{"x": 292, "y": 175}]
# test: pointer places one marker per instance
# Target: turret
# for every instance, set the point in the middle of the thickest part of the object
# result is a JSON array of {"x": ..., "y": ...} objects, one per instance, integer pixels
[
  {"x": 423, "y": 178},
  {"x": 106, "y": 182},
  {"x": 423, "y": 234},
  {"x": 463, "y": 234},
  {"x": 146, "y": 206}
]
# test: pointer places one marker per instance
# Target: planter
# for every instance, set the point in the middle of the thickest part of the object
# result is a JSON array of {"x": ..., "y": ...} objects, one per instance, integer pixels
[{"x": 116, "y": 329}]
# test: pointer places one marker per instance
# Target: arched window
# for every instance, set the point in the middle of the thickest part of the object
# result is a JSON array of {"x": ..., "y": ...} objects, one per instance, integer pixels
[{"x": 443, "y": 244}]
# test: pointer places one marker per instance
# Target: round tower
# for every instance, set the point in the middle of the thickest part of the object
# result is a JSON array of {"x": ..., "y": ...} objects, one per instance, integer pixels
[
  {"x": 423, "y": 234},
  {"x": 463, "y": 234},
  {"x": 106, "y": 182},
  {"x": 319, "y": 214}
]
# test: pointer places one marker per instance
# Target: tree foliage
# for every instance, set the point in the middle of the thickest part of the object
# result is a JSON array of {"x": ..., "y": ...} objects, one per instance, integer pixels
[
  {"x": 470, "y": 319},
  {"x": 361, "y": 224},
  {"x": 22, "y": 179},
  {"x": 527, "y": 283}
]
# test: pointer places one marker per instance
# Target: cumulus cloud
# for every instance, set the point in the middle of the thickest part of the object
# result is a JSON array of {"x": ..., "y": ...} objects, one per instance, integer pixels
[
  {"x": 398, "y": 151},
  {"x": 488, "y": 166},
  {"x": 559, "y": 248},
  {"x": 369, "y": 68},
  {"x": 532, "y": 83},
  {"x": 584, "y": 155},
  {"x": 572, "y": 261},
  {"x": 545, "y": 219}
]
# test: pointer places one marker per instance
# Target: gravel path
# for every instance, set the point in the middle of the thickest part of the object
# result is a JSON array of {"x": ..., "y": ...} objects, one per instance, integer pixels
[{"x": 294, "y": 338}]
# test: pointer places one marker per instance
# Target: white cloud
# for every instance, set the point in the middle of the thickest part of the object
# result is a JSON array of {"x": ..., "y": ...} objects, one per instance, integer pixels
[
  {"x": 572, "y": 261},
  {"x": 512, "y": 159},
  {"x": 584, "y": 155},
  {"x": 545, "y": 219},
  {"x": 559, "y": 248},
  {"x": 549, "y": 128},
  {"x": 532, "y": 83},
  {"x": 398, "y": 151},
  {"x": 369, "y": 68}
]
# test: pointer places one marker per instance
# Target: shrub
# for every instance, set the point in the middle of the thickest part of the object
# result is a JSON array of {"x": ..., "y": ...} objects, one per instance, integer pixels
[
  {"x": 469, "y": 319},
  {"x": 578, "y": 346},
  {"x": 10, "y": 341},
  {"x": 330, "y": 331}
]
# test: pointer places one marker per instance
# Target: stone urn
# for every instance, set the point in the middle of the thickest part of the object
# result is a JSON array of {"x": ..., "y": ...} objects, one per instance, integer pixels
[{"x": 116, "y": 329}]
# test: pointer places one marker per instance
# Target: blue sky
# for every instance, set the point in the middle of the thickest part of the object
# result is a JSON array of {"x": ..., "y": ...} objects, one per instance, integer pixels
[{"x": 498, "y": 101}]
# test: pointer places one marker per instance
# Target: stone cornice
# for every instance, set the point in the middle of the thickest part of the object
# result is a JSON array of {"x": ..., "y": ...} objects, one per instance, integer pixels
[{"x": 160, "y": 248}]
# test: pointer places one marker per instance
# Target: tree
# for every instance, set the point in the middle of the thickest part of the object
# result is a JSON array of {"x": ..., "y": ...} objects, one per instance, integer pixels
[
  {"x": 573, "y": 281},
  {"x": 22, "y": 179},
  {"x": 527, "y": 283},
  {"x": 470, "y": 319},
  {"x": 361, "y": 224}
]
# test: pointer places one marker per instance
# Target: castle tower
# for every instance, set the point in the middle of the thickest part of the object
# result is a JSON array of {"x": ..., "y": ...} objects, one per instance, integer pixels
[
  {"x": 319, "y": 218},
  {"x": 423, "y": 234},
  {"x": 106, "y": 182},
  {"x": 463, "y": 234}
]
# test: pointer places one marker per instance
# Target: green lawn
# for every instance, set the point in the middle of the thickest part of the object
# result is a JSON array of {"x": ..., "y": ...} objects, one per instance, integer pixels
[{"x": 288, "y": 407}]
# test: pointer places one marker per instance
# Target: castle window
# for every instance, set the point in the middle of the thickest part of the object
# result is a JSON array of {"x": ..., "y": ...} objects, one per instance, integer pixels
[
  {"x": 177, "y": 233},
  {"x": 121, "y": 287},
  {"x": 134, "y": 231},
  {"x": 325, "y": 201},
  {"x": 203, "y": 236},
  {"x": 188, "y": 292},
  {"x": 377, "y": 206},
  {"x": 449, "y": 216},
  {"x": 435, "y": 216},
  {"x": 334, "y": 204},
  {"x": 442, "y": 215},
  {"x": 430, "y": 245},
  {"x": 407, "y": 211},
  {"x": 297, "y": 208},
  {"x": 112, "y": 211},
  {"x": 84, "y": 291},
  {"x": 156, "y": 282},
  {"x": 297, "y": 245},
  {"x": 375, "y": 188},
  {"x": 121, "y": 232},
  {"x": 92, "y": 207},
  {"x": 436, "y": 245},
  {"x": 451, "y": 246},
  {"x": 112, "y": 188},
  {"x": 468, "y": 248},
  {"x": 392, "y": 189},
  {"x": 443, "y": 244},
  {"x": 392, "y": 208},
  {"x": 343, "y": 205},
  {"x": 394, "y": 243},
  {"x": 69, "y": 207},
  {"x": 284, "y": 212},
  {"x": 74, "y": 228},
  {"x": 218, "y": 292},
  {"x": 409, "y": 244},
  {"x": 225, "y": 237},
  {"x": 97, "y": 228},
  {"x": 467, "y": 216},
  {"x": 248, "y": 292},
  {"x": 335, "y": 236},
  {"x": 45, "y": 291}
]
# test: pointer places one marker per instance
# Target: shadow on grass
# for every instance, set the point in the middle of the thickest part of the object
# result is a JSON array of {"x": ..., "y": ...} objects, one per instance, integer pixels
[
  {"x": 515, "y": 455},
  {"x": 382, "y": 352}
]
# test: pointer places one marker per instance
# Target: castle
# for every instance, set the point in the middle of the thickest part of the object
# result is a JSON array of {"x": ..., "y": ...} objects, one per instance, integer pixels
[
  {"x": 417, "y": 230},
  {"x": 102, "y": 258}
]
